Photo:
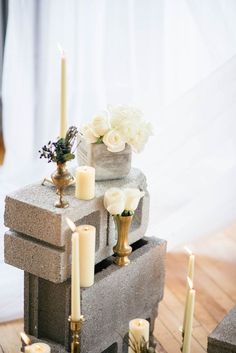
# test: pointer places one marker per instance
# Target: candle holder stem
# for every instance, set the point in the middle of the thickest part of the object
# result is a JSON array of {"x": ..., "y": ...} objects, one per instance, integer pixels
[{"x": 76, "y": 327}]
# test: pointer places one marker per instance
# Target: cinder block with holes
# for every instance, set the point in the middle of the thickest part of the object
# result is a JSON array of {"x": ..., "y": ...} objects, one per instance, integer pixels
[
  {"x": 117, "y": 296},
  {"x": 39, "y": 227},
  {"x": 223, "y": 337}
]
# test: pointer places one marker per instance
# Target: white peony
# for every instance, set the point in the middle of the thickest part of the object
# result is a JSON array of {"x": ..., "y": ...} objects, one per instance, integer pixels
[
  {"x": 128, "y": 130},
  {"x": 89, "y": 134},
  {"x": 121, "y": 114},
  {"x": 138, "y": 142},
  {"x": 114, "y": 141},
  {"x": 100, "y": 123},
  {"x": 132, "y": 198},
  {"x": 114, "y": 201}
]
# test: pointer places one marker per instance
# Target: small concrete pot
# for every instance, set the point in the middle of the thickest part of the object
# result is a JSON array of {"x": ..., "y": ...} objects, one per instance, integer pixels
[{"x": 108, "y": 165}]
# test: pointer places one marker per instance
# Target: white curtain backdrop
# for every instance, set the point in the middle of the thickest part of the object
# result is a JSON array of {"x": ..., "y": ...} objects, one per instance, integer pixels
[{"x": 174, "y": 59}]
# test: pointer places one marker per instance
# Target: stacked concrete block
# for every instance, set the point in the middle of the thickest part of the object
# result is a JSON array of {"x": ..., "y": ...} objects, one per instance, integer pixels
[
  {"x": 223, "y": 338},
  {"x": 39, "y": 242},
  {"x": 39, "y": 227},
  {"x": 117, "y": 296}
]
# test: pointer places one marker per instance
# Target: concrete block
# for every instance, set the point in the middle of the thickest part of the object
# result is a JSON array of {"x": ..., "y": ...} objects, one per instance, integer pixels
[
  {"x": 54, "y": 263},
  {"x": 118, "y": 346},
  {"x": 223, "y": 338},
  {"x": 117, "y": 296},
  {"x": 30, "y": 211}
]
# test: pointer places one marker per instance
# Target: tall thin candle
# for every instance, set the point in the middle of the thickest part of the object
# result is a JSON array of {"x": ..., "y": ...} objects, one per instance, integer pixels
[
  {"x": 75, "y": 274},
  {"x": 191, "y": 263},
  {"x": 63, "y": 116},
  {"x": 189, "y": 322},
  {"x": 190, "y": 276}
]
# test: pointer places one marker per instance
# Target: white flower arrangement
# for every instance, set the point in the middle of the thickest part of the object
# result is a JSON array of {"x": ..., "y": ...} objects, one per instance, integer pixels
[
  {"x": 117, "y": 126},
  {"x": 122, "y": 202}
]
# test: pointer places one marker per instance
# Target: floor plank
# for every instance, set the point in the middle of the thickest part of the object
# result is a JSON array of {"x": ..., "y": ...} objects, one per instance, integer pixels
[{"x": 214, "y": 282}]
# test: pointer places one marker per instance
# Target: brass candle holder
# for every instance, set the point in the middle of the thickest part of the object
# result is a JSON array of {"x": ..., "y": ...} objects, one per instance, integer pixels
[
  {"x": 75, "y": 327},
  {"x": 61, "y": 178},
  {"x": 122, "y": 248},
  {"x": 60, "y": 152}
]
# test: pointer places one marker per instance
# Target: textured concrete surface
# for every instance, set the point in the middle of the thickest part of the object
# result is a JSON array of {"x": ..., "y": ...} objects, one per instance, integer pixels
[
  {"x": 117, "y": 296},
  {"x": 30, "y": 210},
  {"x": 108, "y": 165},
  {"x": 40, "y": 236},
  {"x": 223, "y": 338},
  {"x": 54, "y": 263}
]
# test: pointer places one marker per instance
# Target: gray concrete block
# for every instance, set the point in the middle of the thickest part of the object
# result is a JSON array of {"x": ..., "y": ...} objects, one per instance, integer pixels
[
  {"x": 30, "y": 210},
  {"x": 117, "y": 296},
  {"x": 223, "y": 338},
  {"x": 54, "y": 263}
]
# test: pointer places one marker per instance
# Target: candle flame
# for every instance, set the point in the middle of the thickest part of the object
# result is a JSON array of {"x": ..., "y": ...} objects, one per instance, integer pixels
[
  {"x": 71, "y": 224},
  {"x": 181, "y": 329},
  {"x": 190, "y": 283},
  {"x": 25, "y": 338},
  {"x": 189, "y": 251},
  {"x": 61, "y": 50}
]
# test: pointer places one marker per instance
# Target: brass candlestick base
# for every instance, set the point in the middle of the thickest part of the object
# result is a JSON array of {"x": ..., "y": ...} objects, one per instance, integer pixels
[
  {"x": 76, "y": 327},
  {"x": 61, "y": 178},
  {"x": 122, "y": 248}
]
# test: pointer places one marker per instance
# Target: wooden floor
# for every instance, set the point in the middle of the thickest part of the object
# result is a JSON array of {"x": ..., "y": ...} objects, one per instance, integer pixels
[{"x": 215, "y": 294}]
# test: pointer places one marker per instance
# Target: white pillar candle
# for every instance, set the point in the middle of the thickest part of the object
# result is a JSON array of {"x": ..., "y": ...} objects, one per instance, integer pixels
[
  {"x": 189, "y": 322},
  {"x": 138, "y": 329},
  {"x": 63, "y": 117},
  {"x": 75, "y": 279},
  {"x": 85, "y": 183},
  {"x": 38, "y": 348},
  {"x": 87, "y": 237}
]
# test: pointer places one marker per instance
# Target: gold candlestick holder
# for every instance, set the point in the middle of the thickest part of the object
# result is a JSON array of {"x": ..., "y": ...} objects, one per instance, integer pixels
[
  {"x": 122, "y": 248},
  {"x": 61, "y": 178},
  {"x": 75, "y": 327}
]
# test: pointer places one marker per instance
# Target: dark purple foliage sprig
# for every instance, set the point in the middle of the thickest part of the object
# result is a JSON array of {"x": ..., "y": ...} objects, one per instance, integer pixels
[{"x": 61, "y": 150}]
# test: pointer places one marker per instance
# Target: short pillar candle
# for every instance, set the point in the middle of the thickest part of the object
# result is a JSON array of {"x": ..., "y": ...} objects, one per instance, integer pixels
[
  {"x": 87, "y": 237},
  {"x": 38, "y": 348},
  {"x": 85, "y": 183},
  {"x": 138, "y": 330}
]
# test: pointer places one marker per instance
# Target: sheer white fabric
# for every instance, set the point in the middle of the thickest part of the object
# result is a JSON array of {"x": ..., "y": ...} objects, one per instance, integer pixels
[{"x": 174, "y": 59}]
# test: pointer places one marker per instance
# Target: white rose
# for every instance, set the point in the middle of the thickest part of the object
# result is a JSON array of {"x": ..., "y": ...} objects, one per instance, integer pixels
[
  {"x": 132, "y": 198},
  {"x": 141, "y": 137},
  {"x": 114, "y": 141},
  {"x": 89, "y": 134},
  {"x": 114, "y": 201},
  {"x": 100, "y": 123}
]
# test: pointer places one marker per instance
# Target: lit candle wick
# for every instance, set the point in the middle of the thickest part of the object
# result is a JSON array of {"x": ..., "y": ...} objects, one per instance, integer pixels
[
  {"x": 25, "y": 338},
  {"x": 190, "y": 283},
  {"x": 71, "y": 224},
  {"x": 60, "y": 49},
  {"x": 86, "y": 228},
  {"x": 140, "y": 323},
  {"x": 188, "y": 250}
]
